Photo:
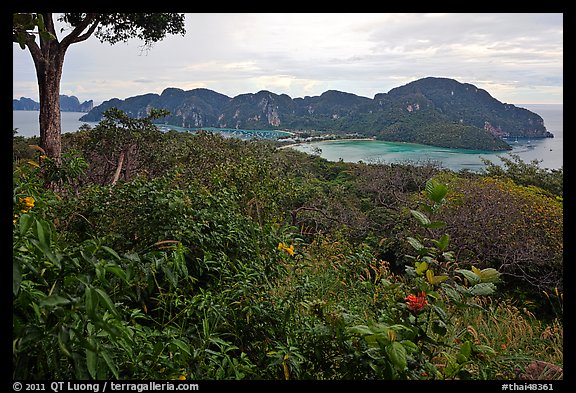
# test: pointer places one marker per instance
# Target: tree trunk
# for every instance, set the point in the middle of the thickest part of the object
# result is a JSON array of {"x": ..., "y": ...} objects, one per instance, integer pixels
[
  {"x": 118, "y": 168},
  {"x": 48, "y": 60},
  {"x": 49, "y": 73}
]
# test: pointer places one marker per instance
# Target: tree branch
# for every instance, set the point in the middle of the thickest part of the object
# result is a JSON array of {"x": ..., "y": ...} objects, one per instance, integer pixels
[
  {"x": 34, "y": 48},
  {"x": 90, "y": 22},
  {"x": 118, "y": 168}
]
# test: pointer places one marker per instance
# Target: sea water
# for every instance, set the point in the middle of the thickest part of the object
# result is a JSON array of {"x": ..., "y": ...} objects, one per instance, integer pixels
[
  {"x": 547, "y": 151},
  {"x": 28, "y": 123}
]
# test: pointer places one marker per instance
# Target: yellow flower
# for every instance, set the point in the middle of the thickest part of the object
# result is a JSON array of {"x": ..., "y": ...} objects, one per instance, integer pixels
[
  {"x": 285, "y": 247},
  {"x": 27, "y": 204},
  {"x": 183, "y": 377}
]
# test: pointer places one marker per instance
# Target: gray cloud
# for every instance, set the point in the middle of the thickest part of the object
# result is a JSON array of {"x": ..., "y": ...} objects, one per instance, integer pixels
[{"x": 516, "y": 57}]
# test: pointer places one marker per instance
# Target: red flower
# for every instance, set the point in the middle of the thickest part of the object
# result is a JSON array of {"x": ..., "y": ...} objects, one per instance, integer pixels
[{"x": 416, "y": 303}]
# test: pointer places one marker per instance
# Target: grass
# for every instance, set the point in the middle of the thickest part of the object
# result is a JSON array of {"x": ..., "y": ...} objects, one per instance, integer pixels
[{"x": 526, "y": 347}]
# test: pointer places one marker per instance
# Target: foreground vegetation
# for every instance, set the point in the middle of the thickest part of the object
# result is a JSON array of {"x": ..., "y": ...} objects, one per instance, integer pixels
[{"x": 179, "y": 256}]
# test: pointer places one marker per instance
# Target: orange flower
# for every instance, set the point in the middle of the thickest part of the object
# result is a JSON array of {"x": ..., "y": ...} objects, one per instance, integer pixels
[
  {"x": 416, "y": 303},
  {"x": 27, "y": 204},
  {"x": 285, "y": 247}
]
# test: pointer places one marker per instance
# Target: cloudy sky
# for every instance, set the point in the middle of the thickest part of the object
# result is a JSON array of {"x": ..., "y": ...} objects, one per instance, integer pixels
[{"x": 516, "y": 57}]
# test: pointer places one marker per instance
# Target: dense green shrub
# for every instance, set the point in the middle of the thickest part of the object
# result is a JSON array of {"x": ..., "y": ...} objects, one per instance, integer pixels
[
  {"x": 515, "y": 229},
  {"x": 216, "y": 258},
  {"x": 527, "y": 174}
]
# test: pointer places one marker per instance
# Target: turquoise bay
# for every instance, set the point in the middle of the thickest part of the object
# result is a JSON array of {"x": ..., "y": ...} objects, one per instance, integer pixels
[
  {"x": 548, "y": 151},
  {"x": 370, "y": 151}
]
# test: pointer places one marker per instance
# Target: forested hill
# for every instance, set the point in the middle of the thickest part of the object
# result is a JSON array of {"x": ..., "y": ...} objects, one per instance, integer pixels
[{"x": 433, "y": 111}]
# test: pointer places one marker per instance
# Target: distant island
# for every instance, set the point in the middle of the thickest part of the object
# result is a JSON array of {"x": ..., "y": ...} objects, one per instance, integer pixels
[
  {"x": 67, "y": 104},
  {"x": 433, "y": 111}
]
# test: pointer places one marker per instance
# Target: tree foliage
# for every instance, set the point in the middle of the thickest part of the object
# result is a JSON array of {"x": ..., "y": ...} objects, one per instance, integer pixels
[
  {"x": 48, "y": 54},
  {"x": 120, "y": 27}
]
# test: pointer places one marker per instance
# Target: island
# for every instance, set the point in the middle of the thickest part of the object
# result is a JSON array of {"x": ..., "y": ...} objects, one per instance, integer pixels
[
  {"x": 433, "y": 111},
  {"x": 67, "y": 104}
]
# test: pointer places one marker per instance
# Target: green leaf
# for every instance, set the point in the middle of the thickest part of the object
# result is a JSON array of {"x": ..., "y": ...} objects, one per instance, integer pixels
[
  {"x": 117, "y": 270},
  {"x": 436, "y": 191},
  {"x": 182, "y": 345},
  {"x": 484, "y": 349},
  {"x": 432, "y": 279},
  {"x": 25, "y": 223},
  {"x": 409, "y": 270},
  {"x": 421, "y": 267},
  {"x": 465, "y": 350},
  {"x": 43, "y": 234},
  {"x": 410, "y": 346},
  {"x": 47, "y": 36},
  {"x": 470, "y": 275},
  {"x": 440, "y": 312},
  {"x": 91, "y": 302},
  {"x": 448, "y": 255},
  {"x": 439, "y": 279},
  {"x": 21, "y": 37},
  {"x": 63, "y": 338},
  {"x": 23, "y": 20},
  {"x": 442, "y": 243},
  {"x": 16, "y": 277},
  {"x": 452, "y": 294},
  {"x": 397, "y": 355},
  {"x": 91, "y": 362},
  {"x": 381, "y": 338},
  {"x": 362, "y": 330},
  {"x": 421, "y": 217},
  {"x": 415, "y": 243},
  {"x": 88, "y": 256},
  {"x": 110, "y": 364},
  {"x": 398, "y": 327},
  {"x": 372, "y": 341},
  {"x": 43, "y": 241},
  {"x": 489, "y": 275},
  {"x": 434, "y": 225},
  {"x": 40, "y": 22},
  {"x": 428, "y": 259},
  {"x": 55, "y": 259},
  {"x": 53, "y": 301},
  {"x": 482, "y": 289},
  {"x": 111, "y": 252},
  {"x": 107, "y": 301}
]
